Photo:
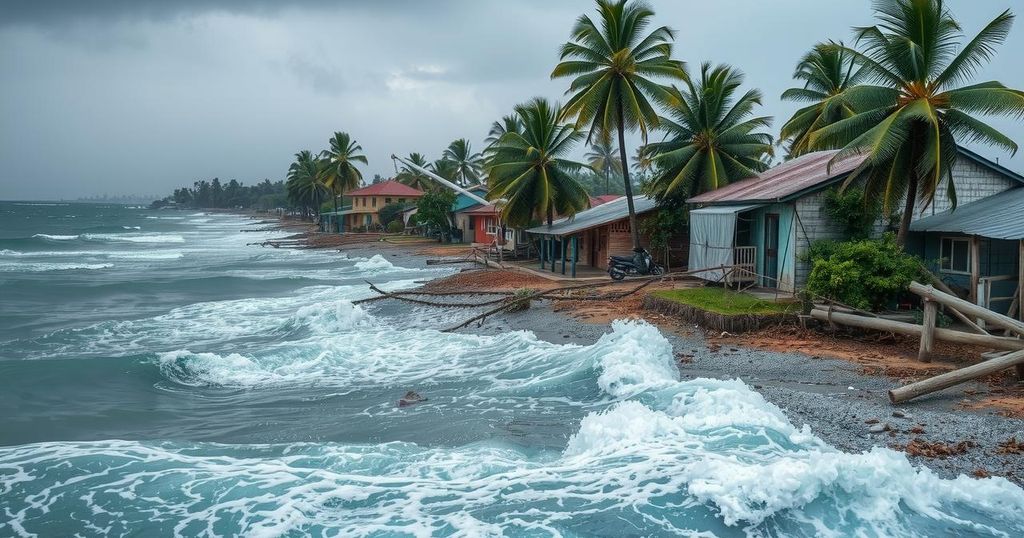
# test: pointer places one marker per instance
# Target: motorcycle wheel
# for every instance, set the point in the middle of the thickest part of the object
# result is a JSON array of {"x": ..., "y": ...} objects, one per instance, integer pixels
[
  {"x": 616, "y": 274},
  {"x": 657, "y": 270}
]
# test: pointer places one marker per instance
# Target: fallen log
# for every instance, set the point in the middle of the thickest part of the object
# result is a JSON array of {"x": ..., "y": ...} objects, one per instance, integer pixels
[
  {"x": 910, "y": 329},
  {"x": 955, "y": 377},
  {"x": 967, "y": 307}
]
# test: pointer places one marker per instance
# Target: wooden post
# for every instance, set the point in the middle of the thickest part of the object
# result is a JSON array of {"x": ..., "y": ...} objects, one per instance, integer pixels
[
  {"x": 938, "y": 283},
  {"x": 931, "y": 311},
  {"x": 1020, "y": 296},
  {"x": 910, "y": 329},
  {"x": 1020, "y": 280},
  {"x": 969, "y": 308},
  {"x": 540, "y": 254},
  {"x": 955, "y": 377},
  {"x": 574, "y": 238},
  {"x": 975, "y": 267}
]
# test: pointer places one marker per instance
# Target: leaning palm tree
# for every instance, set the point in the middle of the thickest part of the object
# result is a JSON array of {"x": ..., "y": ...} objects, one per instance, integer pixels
[
  {"x": 612, "y": 63},
  {"x": 641, "y": 161},
  {"x": 712, "y": 136},
  {"x": 604, "y": 159},
  {"x": 530, "y": 169},
  {"x": 827, "y": 72},
  {"x": 303, "y": 186},
  {"x": 909, "y": 123},
  {"x": 412, "y": 177},
  {"x": 340, "y": 173},
  {"x": 468, "y": 163}
]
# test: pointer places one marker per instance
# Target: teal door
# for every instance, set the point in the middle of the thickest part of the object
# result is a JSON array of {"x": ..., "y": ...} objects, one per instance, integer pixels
[{"x": 771, "y": 250}]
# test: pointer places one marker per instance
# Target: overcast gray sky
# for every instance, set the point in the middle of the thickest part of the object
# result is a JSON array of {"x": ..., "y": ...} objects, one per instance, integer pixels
[{"x": 140, "y": 96}]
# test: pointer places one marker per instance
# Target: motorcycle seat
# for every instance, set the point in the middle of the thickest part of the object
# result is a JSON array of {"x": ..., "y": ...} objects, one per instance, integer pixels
[{"x": 627, "y": 259}]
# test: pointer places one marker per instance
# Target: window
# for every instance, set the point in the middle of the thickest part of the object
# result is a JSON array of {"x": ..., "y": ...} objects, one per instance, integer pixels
[
  {"x": 401, "y": 200},
  {"x": 955, "y": 255},
  {"x": 492, "y": 227},
  {"x": 387, "y": 201},
  {"x": 374, "y": 201},
  {"x": 620, "y": 226}
]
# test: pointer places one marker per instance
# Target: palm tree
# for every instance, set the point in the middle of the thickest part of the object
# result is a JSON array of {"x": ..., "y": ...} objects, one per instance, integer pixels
[
  {"x": 340, "y": 173},
  {"x": 304, "y": 186},
  {"x": 827, "y": 72},
  {"x": 469, "y": 163},
  {"x": 612, "y": 63},
  {"x": 908, "y": 123},
  {"x": 507, "y": 124},
  {"x": 711, "y": 138},
  {"x": 604, "y": 159},
  {"x": 446, "y": 168},
  {"x": 412, "y": 177},
  {"x": 641, "y": 160},
  {"x": 529, "y": 169}
]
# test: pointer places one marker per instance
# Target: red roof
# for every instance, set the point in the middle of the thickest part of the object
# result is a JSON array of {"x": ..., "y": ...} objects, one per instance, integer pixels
[
  {"x": 603, "y": 199},
  {"x": 489, "y": 209},
  {"x": 784, "y": 180},
  {"x": 387, "y": 188}
]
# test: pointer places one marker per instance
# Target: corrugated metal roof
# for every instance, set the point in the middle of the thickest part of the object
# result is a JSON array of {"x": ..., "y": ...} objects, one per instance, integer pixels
[
  {"x": 596, "y": 216},
  {"x": 1000, "y": 216},
  {"x": 786, "y": 179},
  {"x": 724, "y": 209}
]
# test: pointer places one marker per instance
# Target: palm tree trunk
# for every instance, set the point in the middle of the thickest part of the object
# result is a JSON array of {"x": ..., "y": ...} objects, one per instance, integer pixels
[
  {"x": 908, "y": 211},
  {"x": 607, "y": 176},
  {"x": 633, "y": 228}
]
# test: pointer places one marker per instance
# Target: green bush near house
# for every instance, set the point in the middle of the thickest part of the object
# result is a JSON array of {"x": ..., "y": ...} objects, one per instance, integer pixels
[
  {"x": 867, "y": 274},
  {"x": 724, "y": 301},
  {"x": 396, "y": 226}
]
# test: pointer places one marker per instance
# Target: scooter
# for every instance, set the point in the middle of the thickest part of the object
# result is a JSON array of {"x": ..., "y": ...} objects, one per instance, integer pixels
[{"x": 640, "y": 263}]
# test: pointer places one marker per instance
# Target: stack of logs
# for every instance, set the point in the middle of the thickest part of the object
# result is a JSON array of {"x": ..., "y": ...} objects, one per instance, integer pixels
[{"x": 1011, "y": 347}]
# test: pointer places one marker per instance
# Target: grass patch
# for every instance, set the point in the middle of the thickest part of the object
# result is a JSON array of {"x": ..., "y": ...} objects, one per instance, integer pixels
[{"x": 725, "y": 302}]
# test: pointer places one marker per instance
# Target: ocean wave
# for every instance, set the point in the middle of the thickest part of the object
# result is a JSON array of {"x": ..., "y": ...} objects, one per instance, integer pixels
[
  {"x": 376, "y": 263},
  {"x": 50, "y": 237},
  {"x": 45, "y": 267},
  {"x": 135, "y": 238},
  {"x": 152, "y": 255}
]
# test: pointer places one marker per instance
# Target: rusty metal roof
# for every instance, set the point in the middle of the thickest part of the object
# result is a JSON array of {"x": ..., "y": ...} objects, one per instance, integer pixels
[{"x": 783, "y": 181}]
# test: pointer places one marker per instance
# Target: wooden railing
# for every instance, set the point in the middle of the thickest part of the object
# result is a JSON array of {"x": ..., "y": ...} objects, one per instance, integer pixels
[{"x": 744, "y": 261}]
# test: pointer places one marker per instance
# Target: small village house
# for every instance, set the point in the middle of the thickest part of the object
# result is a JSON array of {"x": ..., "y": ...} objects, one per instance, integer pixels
[
  {"x": 765, "y": 225},
  {"x": 364, "y": 213},
  {"x": 979, "y": 247},
  {"x": 588, "y": 238}
]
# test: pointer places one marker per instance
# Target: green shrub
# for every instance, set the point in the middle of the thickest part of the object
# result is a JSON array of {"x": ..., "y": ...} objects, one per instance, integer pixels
[
  {"x": 852, "y": 210},
  {"x": 396, "y": 226},
  {"x": 520, "y": 295},
  {"x": 867, "y": 274}
]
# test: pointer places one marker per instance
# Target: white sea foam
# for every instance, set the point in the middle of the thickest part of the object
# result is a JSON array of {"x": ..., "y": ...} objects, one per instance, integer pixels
[
  {"x": 376, "y": 263},
  {"x": 151, "y": 255},
  {"x": 56, "y": 237},
  {"x": 135, "y": 238},
  {"x": 31, "y": 267}
]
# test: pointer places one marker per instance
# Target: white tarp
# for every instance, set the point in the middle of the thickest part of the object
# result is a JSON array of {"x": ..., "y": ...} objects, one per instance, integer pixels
[{"x": 713, "y": 238}]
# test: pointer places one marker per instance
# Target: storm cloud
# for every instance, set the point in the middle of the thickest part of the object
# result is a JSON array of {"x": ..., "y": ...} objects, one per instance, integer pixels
[{"x": 125, "y": 96}]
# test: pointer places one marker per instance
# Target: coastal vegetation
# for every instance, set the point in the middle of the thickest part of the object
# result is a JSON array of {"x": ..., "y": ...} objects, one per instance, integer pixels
[
  {"x": 711, "y": 138},
  {"x": 867, "y": 274},
  {"x": 212, "y": 194},
  {"x": 916, "y": 104},
  {"x": 530, "y": 171},
  {"x": 723, "y": 301},
  {"x": 613, "y": 66},
  {"x": 339, "y": 167}
]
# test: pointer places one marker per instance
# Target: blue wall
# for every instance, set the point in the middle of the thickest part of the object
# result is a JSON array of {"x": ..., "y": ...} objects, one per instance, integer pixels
[{"x": 998, "y": 257}]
